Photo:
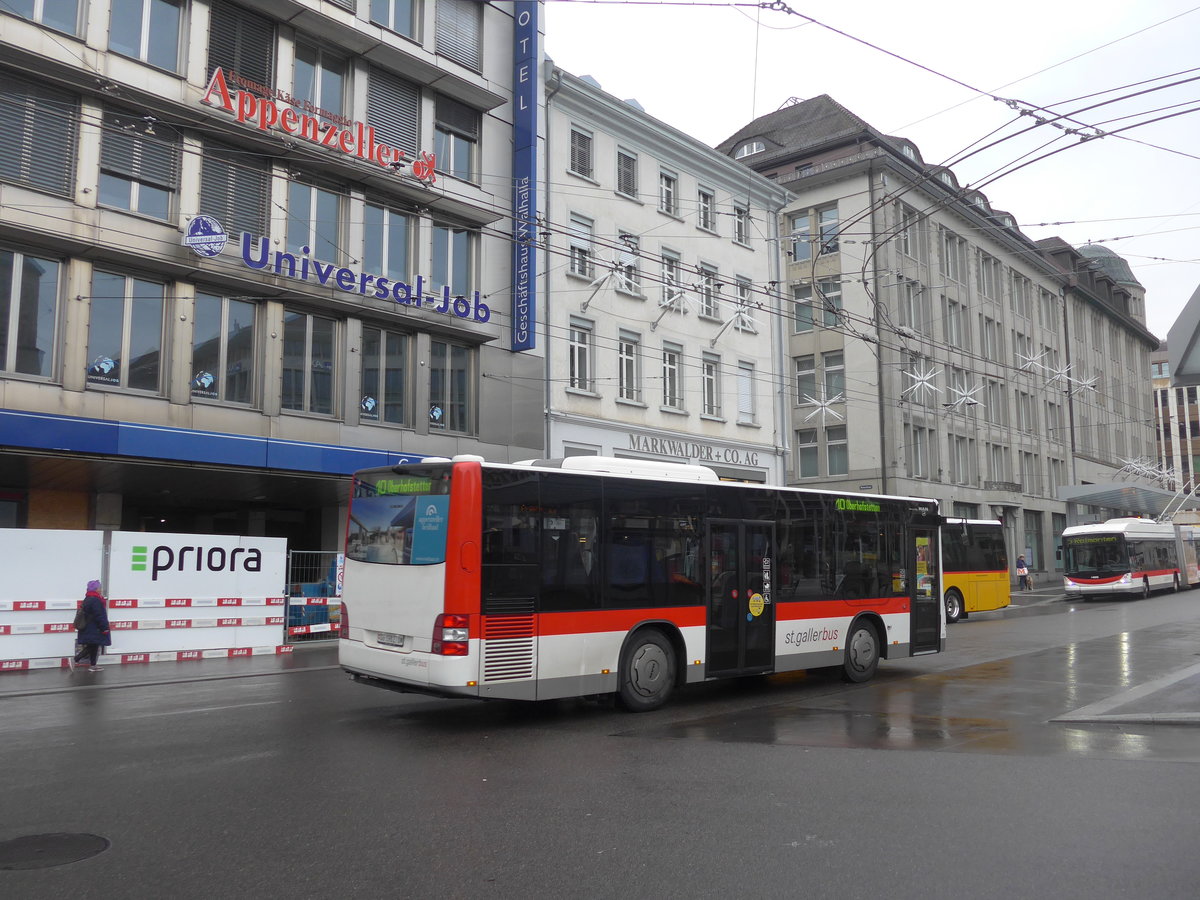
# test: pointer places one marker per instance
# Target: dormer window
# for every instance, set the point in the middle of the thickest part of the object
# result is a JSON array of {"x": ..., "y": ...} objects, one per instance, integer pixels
[
  {"x": 908, "y": 151},
  {"x": 749, "y": 148},
  {"x": 944, "y": 178}
]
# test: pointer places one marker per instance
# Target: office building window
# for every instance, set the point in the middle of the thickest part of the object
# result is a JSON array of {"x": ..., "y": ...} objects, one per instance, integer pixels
[
  {"x": 314, "y": 219},
  {"x": 953, "y": 256},
  {"x": 710, "y": 383},
  {"x": 580, "y": 354},
  {"x": 706, "y": 214},
  {"x": 394, "y": 110},
  {"x": 807, "y": 453},
  {"x": 830, "y": 290},
  {"x": 308, "y": 363},
  {"x": 395, "y": 15},
  {"x": 630, "y": 264},
  {"x": 827, "y": 226},
  {"x": 61, "y": 15},
  {"x": 744, "y": 318},
  {"x": 989, "y": 276},
  {"x": 957, "y": 334},
  {"x": 450, "y": 387},
  {"x": 581, "y": 153},
  {"x": 741, "y": 225},
  {"x": 453, "y": 259},
  {"x": 235, "y": 187},
  {"x": 224, "y": 349},
  {"x": 629, "y": 365},
  {"x": 747, "y": 401},
  {"x": 672, "y": 376},
  {"x": 806, "y": 380},
  {"x": 125, "y": 332},
  {"x": 320, "y": 80},
  {"x": 802, "y": 312},
  {"x": 801, "y": 238},
  {"x": 385, "y": 377},
  {"x": 837, "y": 450},
  {"x": 456, "y": 135},
  {"x": 29, "y": 291},
  {"x": 709, "y": 292},
  {"x": 627, "y": 173},
  {"x": 387, "y": 239},
  {"x": 33, "y": 118},
  {"x": 834, "y": 366},
  {"x": 910, "y": 236},
  {"x": 241, "y": 42},
  {"x": 138, "y": 168},
  {"x": 580, "y": 237},
  {"x": 668, "y": 193},
  {"x": 459, "y": 31},
  {"x": 672, "y": 293},
  {"x": 147, "y": 30}
]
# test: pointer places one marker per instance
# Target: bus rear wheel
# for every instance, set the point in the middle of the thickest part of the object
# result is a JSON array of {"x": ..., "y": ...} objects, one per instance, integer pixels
[
  {"x": 647, "y": 674},
  {"x": 862, "y": 653},
  {"x": 954, "y": 605}
]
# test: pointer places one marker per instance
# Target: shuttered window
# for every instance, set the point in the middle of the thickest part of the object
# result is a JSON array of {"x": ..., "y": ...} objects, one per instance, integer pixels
[
  {"x": 459, "y": 28},
  {"x": 581, "y": 153},
  {"x": 38, "y": 129},
  {"x": 243, "y": 42},
  {"x": 138, "y": 168},
  {"x": 349, "y": 5},
  {"x": 234, "y": 187},
  {"x": 394, "y": 110}
]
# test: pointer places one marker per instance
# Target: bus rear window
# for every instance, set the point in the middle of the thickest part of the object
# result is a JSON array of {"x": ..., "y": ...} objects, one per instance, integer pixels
[{"x": 399, "y": 518}]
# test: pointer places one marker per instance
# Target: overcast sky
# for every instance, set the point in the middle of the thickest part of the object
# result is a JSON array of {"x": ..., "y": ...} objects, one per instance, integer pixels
[{"x": 710, "y": 69}]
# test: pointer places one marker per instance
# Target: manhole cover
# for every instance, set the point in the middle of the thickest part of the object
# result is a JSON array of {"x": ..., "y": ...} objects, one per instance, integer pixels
[{"x": 42, "y": 851}]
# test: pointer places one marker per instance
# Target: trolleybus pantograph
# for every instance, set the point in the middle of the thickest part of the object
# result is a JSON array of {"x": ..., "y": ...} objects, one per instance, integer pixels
[
  {"x": 975, "y": 575},
  {"x": 592, "y": 575},
  {"x": 1127, "y": 556}
]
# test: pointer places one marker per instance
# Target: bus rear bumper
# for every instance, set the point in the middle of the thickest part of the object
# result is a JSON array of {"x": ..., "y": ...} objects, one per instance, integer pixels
[{"x": 414, "y": 672}]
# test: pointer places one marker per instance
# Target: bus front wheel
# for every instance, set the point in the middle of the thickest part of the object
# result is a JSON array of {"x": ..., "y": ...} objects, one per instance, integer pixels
[
  {"x": 862, "y": 653},
  {"x": 647, "y": 674},
  {"x": 954, "y": 605}
]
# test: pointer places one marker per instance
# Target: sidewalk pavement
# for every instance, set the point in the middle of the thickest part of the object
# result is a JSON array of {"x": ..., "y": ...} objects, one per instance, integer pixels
[{"x": 303, "y": 657}]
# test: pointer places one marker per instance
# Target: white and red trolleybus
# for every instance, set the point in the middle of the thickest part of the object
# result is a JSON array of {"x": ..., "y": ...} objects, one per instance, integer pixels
[
  {"x": 1127, "y": 556},
  {"x": 591, "y": 575}
]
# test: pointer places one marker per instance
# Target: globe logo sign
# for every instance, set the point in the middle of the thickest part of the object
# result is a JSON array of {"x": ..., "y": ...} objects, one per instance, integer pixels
[{"x": 205, "y": 236}]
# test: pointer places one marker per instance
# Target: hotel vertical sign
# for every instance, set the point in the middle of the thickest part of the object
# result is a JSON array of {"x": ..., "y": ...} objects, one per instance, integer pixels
[{"x": 524, "y": 160}]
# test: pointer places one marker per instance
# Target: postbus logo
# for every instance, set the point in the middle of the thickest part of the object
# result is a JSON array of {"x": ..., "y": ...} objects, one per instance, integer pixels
[{"x": 205, "y": 236}]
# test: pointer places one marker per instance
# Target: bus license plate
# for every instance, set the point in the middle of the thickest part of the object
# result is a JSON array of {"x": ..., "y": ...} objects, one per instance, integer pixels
[{"x": 392, "y": 640}]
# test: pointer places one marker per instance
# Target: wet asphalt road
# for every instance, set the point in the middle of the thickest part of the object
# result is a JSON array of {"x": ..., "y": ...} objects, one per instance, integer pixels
[{"x": 1029, "y": 760}]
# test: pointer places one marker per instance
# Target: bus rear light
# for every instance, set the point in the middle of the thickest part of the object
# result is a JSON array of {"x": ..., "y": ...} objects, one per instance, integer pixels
[
  {"x": 344, "y": 624},
  {"x": 450, "y": 634}
]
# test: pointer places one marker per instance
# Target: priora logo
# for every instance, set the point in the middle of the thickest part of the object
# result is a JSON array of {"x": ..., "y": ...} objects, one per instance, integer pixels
[{"x": 198, "y": 559}]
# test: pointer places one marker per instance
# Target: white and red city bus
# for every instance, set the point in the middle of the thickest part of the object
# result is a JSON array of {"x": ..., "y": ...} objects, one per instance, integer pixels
[
  {"x": 592, "y": 575},
  {"x": 1127, "y": 556}
]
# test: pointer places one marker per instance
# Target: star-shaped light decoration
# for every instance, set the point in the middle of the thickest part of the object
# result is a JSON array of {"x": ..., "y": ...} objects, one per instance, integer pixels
[
  {"x": 963, "y": 397},
  {"x": 824, "y": 406},
  {"x": 922, "y": 379},
  {"x": 1028, "y": 362}
]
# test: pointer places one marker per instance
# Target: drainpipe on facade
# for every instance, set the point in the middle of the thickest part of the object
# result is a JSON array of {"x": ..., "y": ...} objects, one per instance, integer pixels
[
  {"x": 883, "y": 457},
  {"x": 782, "y": 419},
  {"x": 550, "y": 92}
]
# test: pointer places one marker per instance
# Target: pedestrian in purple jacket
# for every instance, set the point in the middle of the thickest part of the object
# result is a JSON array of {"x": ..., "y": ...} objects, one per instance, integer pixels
[{"x": 94, "y": 633}]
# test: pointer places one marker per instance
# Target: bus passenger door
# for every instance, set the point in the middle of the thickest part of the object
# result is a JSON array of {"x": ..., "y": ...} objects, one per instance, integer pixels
[
  {"x": 925, "y": 623},
  {"x": 741, "y": 614}
]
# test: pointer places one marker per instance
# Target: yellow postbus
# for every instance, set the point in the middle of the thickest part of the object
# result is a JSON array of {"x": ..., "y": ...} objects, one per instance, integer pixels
[{"x": 975, "y": 575}]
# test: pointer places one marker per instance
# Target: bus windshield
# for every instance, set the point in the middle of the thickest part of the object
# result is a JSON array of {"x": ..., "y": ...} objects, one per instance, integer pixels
[
  {"x": 399, "y": 517},
  {"x": 1096, "y": 554}
]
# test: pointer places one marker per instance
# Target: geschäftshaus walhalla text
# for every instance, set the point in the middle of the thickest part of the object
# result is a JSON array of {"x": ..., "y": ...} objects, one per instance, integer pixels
[{"x": 359, "y": 142}]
